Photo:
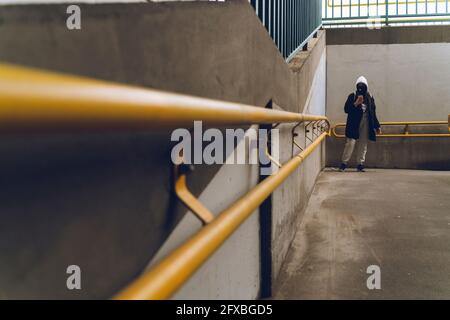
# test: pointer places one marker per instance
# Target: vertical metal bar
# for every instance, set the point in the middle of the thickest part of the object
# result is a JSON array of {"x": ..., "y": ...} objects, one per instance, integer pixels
[
  {"x": 299, "y": 15},
  {"x": 289, "y": 11},
  {"x": 332, "y": 9},
  {"x": 297, "y": 32},
  {"x": 294, "y": 31},
  {"x": 274, "y": 17},
  {"x": 286, "y": 39},
  {"x": 305, "y": 22},
  {"x": 269, "y": 14},
  {"x": 305, "y": 18},
  {"x": 302, "y": 23},
  {"x": 300, "y": 18},
  {"x": 296, "y": 17},
  {"x": 263, "y": 12},
  {"x": 286, "y": 28},
  {"x": 257, "y": 7},
  {"x": 294, "y": 24},
  {"x": 288, "y": 31},
  {"x": 350, "y": 8},
  {"x": 319, "y": 15},
  {"x": 282, "y": 27},
  {"x": 269, "y": 8},
  {"x": 386, "y": 22},
  {"x": 288, "y": 36},
  {"x": 292, "y": 28},
  {"x": 275, "y": 22},
  {"x": 305, "y": 30},
  {"x": 279, "y": 24}
]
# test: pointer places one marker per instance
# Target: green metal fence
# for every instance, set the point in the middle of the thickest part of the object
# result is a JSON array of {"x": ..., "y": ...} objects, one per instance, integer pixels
[
  {"x": 290, "y": 23},
  {"x": 384, "y": 12}
]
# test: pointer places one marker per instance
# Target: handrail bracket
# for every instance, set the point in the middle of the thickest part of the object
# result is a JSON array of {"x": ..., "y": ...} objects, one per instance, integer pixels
[{"x": 186, "y": 197}]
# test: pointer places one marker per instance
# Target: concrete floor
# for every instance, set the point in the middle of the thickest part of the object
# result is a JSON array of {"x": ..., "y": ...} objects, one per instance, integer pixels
[{"x": 396, "y": 219}]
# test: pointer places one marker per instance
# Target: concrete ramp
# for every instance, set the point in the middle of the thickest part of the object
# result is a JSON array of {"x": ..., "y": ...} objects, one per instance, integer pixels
[{"x": 398, "y": 220}]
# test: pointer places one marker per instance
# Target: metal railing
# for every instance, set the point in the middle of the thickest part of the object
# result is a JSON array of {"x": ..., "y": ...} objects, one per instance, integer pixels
[
  {"x": 403, "y": 129},
  {"x": 290, "y": 23},
  {"x": 384, "y": 12},
  {"x": 33, "y": 100},
  {"x": 174, "y": 270}
]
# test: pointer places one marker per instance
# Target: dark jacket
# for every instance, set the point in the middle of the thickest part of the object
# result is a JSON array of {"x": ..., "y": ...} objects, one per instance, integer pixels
[{"x": 355, "y": 115}]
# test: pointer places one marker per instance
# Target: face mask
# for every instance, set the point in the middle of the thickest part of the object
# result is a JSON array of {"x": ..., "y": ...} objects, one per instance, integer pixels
[{"x": 361, "y": 89}]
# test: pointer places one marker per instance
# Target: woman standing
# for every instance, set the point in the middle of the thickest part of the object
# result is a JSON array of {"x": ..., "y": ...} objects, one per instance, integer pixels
[{"x": 362, "y": 124}]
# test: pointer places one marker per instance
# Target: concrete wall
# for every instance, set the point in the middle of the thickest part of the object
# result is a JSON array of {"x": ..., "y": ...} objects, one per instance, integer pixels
[
  {"x": 408, "y": 80},
  {"x": 104, "y": 201},
  {"x": 290, "y": 200}
]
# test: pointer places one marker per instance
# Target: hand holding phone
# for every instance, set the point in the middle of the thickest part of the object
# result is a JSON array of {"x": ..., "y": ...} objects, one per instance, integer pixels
[{"x": 359, "y": 101}]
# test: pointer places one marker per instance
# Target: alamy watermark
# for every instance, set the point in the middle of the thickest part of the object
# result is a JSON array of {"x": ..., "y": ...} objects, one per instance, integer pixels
[
  {"x": 374, "y": 280},
  {"x": 73, "y": 21},
  {"x": 229, "y": 146},
  {"x": 73, "y": 281}
]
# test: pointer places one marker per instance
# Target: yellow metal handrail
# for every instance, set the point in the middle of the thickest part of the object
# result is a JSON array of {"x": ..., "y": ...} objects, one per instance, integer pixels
[
  {"x": 34, "y": 100},
  {"x": 405, "y": 133},
  {"x": 174, "y": 270}
]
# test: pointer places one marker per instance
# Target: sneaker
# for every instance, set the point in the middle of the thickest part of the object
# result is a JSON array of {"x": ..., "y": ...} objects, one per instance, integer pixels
[
  {"x": 361, "y": 168},
  {"x": 342, "y": 167}
]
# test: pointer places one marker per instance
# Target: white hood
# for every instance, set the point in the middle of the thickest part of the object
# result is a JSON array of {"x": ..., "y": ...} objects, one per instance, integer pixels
[{"x": 362, "y": 80}]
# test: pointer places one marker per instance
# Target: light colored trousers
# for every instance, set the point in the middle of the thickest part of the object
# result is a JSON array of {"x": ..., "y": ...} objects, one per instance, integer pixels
[{"x": 361, "y": 149}]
